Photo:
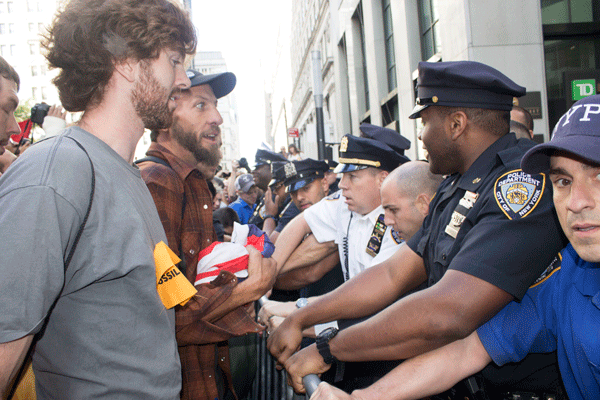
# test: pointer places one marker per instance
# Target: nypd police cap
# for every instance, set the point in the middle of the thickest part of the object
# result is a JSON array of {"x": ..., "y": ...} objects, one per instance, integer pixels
[
  {"x": 359, "y": 153},
  {"x": 300, "y": 173},
  {"x": 576, "y": 132},
  {"x": 464, "y": 84},
  {"x": 264, "y": 156},
  {"x": 278, "y": 172},
  {"x": 388, "y": 136}
]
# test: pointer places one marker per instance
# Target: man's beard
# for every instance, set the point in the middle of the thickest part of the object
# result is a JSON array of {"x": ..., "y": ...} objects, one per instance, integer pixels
[
  {"x": 151, "y": 100},
  {"x": 210, "y": 156}
]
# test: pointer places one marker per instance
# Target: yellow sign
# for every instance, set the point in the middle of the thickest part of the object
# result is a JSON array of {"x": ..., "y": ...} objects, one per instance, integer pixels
[{"x": 173, "y": 287}]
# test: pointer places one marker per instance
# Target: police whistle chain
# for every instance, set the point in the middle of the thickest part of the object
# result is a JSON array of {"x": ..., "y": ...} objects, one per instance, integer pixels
[{"x": 310, "y": 381}]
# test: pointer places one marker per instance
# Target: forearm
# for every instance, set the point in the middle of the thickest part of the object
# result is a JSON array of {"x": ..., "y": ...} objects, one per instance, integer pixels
[
  {"x": 308, "y": 253},
  {"x": 12, "y": 355},
  {"x": 449, "y": 310},
  {"x": 301, "y": 277},
  {"x": 242, "y": 294},
  {"x": 429, "y": 373},
  {"x": 289, "y": 239},
  {"x": 269, "y": 226}
]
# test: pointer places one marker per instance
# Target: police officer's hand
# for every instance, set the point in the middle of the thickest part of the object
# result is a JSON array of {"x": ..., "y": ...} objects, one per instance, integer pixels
[
  {"x": 285, "y": 340},
  {"x": 272, "y": 309},
  {"x": 271, "y": 206},
  {"x": 327, "y": 392},
  {"x": 306, "y": 361},
  {"x": 261, "y": 273}
]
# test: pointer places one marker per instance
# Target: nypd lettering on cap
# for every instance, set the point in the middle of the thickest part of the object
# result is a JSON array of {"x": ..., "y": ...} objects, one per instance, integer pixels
[{"x": 518, "y": 193}]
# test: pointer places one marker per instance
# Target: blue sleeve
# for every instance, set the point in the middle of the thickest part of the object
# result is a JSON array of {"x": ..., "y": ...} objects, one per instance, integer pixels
[{"x": 522, "y": 328}]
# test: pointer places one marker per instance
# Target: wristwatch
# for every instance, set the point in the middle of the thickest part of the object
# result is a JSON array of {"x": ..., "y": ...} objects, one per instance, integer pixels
[
  {"x": 323, "y": 344},
  {"x": 270, "y": 216},
  {"x": 301, "y": 302}
]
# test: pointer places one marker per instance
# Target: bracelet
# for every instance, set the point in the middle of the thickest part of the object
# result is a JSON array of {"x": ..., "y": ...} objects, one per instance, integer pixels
[{"x": 270, "y": 216}]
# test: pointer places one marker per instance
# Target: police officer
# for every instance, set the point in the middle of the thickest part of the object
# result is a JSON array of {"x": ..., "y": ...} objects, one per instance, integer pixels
[
  {"x": 278, "y": 208},
  {"x": 263, "y": 174},
  {"x": 490, "y": 232}
]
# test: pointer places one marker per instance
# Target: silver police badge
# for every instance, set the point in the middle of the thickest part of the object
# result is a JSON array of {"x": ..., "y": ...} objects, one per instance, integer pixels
[
  {"x": 518, "y": 193},
  {"x": 290, "y": 170}
]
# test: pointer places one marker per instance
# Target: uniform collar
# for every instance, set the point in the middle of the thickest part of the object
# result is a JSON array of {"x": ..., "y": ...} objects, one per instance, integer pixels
[
  {"x": 475, "y": 175},
  {"x": 372, "y": 216},
  {"x": 182, "y": 168},
  {"x": 585, "y": 275}
]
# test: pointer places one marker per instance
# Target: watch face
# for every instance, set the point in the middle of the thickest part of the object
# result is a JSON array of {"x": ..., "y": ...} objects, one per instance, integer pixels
[{"x": 302, "y": 302}]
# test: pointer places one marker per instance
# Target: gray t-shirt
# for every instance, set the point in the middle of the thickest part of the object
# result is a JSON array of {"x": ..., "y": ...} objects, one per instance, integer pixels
[{"x": 108, "y": 335}]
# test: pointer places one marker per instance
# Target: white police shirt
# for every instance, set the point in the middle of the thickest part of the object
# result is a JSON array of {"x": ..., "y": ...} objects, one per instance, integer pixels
[{"x": 329, "y": 220}]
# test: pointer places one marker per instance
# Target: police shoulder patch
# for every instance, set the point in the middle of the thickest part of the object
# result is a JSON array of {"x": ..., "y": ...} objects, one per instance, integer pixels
[
  {"x": 552, "y": 268},
  {"x": 396, "y": 236},
  {"x": 518, "y": 193}
]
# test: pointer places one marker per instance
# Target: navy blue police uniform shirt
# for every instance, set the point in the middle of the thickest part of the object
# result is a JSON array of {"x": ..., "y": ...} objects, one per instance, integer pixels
[{"x": 494, "y": 222}]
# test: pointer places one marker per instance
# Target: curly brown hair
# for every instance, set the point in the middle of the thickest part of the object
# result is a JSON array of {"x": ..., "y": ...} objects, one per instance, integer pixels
[{"x": 89, "y": 37}]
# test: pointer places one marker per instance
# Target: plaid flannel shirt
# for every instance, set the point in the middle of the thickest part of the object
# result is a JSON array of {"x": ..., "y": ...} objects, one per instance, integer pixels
[{"x": 202, "y": 344}]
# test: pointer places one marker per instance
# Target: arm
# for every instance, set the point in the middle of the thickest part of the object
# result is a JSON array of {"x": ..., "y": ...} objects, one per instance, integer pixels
[
  {"x": 299, "y": 278},
  {"x": 451, "y": 309},
  {"x": 271, "y": 208},
  {"x": 12, "y": 355},
  {"x": 365, "y": 294},
  {"x": 308, "y": 253},
  {"x": 289, "y": 239},
  {"x": 425, "y": 375}
]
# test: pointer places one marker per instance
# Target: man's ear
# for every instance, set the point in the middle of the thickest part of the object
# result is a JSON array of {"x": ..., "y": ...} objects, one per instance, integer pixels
[
  {"x": 325, "y": 185},
  {"x": 381, "y": 177},
  {"x": 128, "y": 69},
  {"x": 422, "y": 204},
  {"x": 458, "y": 123}
]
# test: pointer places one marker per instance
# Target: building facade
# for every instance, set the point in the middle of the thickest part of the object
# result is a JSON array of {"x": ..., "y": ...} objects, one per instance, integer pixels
[{"x": 551, "y": 47}]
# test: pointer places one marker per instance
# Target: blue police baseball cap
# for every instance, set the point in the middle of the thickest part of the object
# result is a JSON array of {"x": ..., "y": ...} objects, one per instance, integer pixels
[
  {"x": 356, "y": 153},
  {"x": 464, "y": 84},
  {"x": 576, "y": 132},
  {"x": 221, "y": 84},
  {"x": 300, "y": 173}
]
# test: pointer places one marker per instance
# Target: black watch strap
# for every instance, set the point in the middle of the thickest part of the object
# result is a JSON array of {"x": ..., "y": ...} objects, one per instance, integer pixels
[{"x": 323, "y": 344}]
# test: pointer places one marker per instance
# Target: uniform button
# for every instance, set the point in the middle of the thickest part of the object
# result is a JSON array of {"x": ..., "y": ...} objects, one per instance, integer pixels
[
  {"x": 444, "y": 257},
  {"x": 192, "y": 251},
  {"x": 207, "y": 240},
  {"x": 205, "y": 206},
  {"x": 222, "y": 358}
]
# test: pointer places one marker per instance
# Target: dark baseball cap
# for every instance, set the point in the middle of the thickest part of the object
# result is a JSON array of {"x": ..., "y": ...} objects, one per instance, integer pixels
[
  {"x": 464, "y": 84},
  {"x": 221, "y": 84},
  {"x": 577, "y": 132}
]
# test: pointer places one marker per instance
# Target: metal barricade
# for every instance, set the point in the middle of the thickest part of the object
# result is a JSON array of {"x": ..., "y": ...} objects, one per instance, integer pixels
[{"x": 270, "y": 383}]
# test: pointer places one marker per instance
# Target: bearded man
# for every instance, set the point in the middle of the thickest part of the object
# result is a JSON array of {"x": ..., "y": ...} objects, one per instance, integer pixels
[{"x": 176, "y": 169}]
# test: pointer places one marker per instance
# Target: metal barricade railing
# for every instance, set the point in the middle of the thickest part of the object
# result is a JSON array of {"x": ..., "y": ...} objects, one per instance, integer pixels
[{"x": 271, "y": 383}]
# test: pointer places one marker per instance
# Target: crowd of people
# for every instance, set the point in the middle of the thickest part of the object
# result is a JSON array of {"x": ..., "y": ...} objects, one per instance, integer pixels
[{"x": 472, "y": 274}]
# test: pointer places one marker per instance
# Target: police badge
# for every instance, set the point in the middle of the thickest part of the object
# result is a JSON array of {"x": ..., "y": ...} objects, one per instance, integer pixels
[{"x": 518, "y": 193}]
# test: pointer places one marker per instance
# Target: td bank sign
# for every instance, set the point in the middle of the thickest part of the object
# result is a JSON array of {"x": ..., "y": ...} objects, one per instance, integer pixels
[{"x": 583, "y": 88}]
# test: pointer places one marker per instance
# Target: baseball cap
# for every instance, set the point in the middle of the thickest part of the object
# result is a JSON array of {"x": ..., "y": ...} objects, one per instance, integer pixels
[
  {"x": 244, "y": 182},
  {"x": 221, "y": 84},
  {"x": 577, "y": 132}
]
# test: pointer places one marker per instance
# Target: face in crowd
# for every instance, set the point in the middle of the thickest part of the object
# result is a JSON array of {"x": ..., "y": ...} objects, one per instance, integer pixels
[
  {"x": 576, "y": 192},
  {"x": 8, "y": 104},
  {"x": 250, "y": 196},
  {"x": 361, "y": 189},
  {"x": 196, "y": 122},
  {"x": 310, "y": 194}
]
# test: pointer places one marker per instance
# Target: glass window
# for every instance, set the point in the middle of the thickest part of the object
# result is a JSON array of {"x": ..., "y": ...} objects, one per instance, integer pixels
[
  {"x": 390, "y": 58},
  {"x": 13, "y": 49},
  {"x": 361, "y": 26},
  {"x": 11, "y": 28},
  {"x": 9, "y": 6},
  {"x": 3, "y": 50},
  {"x": 31, "y": 26},
  {"x": 2, "y": 29},
  {"x": 1, "y": 7},
  {"x": 570, "y": 11},
  {"x": 34, "y": 70},
  {"x": 34, "y": 93},
  {"x": 428, "y": 22},
  {"x": 31, "y": 48},
  {"x": 44, "y": 93}
]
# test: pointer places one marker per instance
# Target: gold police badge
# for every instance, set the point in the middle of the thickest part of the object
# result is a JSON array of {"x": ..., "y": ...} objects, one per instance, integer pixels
[{"x": 344, "y": 145}]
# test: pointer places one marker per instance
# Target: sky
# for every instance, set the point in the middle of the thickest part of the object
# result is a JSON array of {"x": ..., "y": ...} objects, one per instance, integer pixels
[{"x": 245, "y": 32}]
